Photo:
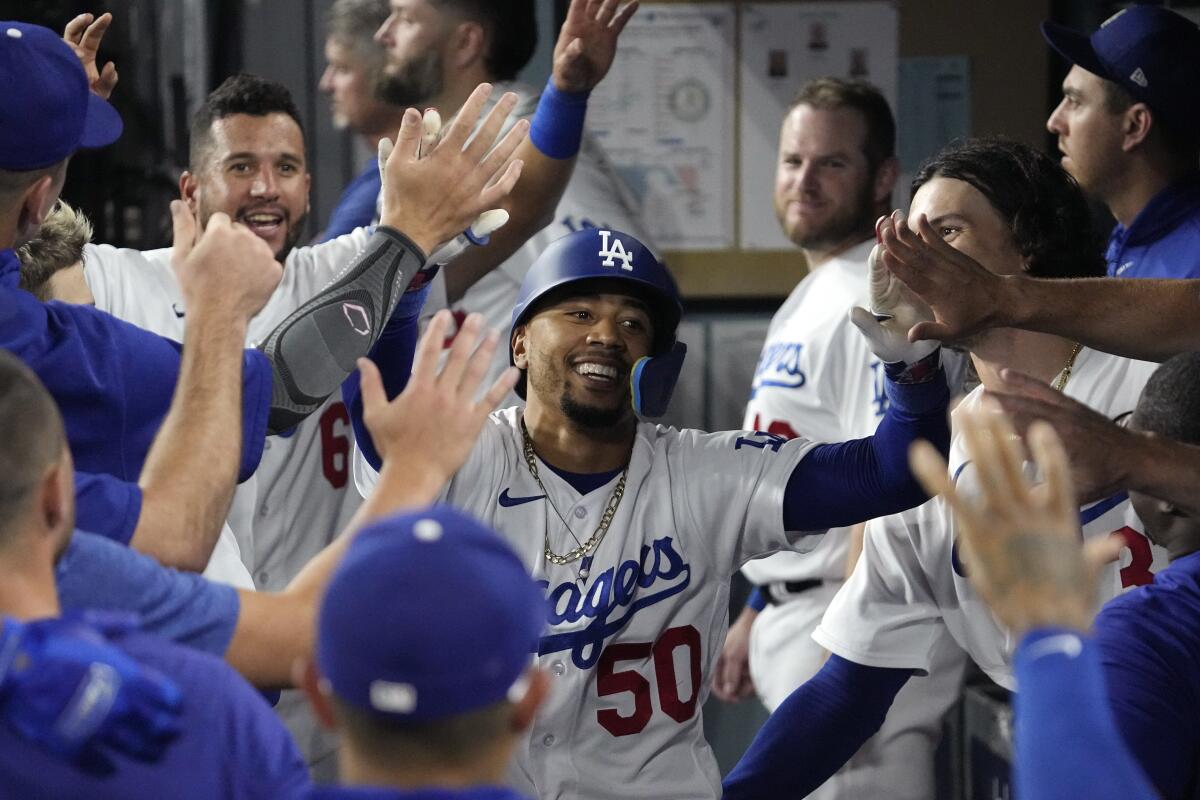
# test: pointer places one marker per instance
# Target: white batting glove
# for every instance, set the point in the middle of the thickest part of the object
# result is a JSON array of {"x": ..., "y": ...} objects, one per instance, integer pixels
[
  {"x": 484, "y": 225},
  {"x": 894, "y": 309}
]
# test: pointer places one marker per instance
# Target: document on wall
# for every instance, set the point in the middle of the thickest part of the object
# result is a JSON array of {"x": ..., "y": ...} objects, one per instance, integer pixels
[
  {"x": 782, "y": 46},
  {"x": 665, "y": 116}
]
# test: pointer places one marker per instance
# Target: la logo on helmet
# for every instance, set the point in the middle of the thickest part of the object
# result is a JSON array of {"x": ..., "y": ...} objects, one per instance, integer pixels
[{"x": 614, "y": 250}]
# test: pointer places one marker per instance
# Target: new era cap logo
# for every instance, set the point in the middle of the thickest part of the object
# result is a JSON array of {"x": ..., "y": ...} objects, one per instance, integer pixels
[
  {"x": 612, "y": 250},
  {"x": 1139, "y": 78}
]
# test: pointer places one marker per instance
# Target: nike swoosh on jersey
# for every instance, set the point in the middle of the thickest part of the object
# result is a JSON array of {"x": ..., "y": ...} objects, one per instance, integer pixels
[
  {"x": 179, "y": 314},
  {"x": 1067, "y": 644},
  {"x": 509, "y": 502}
]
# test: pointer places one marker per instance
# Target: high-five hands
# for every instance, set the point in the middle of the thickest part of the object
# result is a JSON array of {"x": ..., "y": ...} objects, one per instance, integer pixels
[{"x": 1021, "y": 541}]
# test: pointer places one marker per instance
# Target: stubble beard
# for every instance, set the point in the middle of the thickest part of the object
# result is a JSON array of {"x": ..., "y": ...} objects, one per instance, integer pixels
[{"x": 414, "y": 83}]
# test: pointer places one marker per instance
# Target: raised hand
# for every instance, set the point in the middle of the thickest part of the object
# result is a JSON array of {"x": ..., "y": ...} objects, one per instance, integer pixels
[
  {"x": 587, "y": 43},
  {"x": 434, "y": 422},
  {"x": 894, "y": 310},
  {"x": 226, "y": 264},
  {"x": 84, "y": 34},
  {"x": 431, "y": 193},
  {"x": 1021, "y": 542},
  {"x": 64, "y": 686},
  {"x": 964, "y": 297}
]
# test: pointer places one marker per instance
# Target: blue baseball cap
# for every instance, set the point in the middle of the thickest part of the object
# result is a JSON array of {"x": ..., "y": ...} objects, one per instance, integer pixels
[
  {"x": 1152, "y": 53},
  {"x": 431, "y": 614},
  {"x": 47, "y": 110}
]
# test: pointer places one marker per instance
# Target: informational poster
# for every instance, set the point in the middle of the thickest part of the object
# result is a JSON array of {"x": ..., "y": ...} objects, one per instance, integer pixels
[
  {"x": 783, "y": 45},
  {"x": 664, "y": 115},
  {"x": 935, "y": 95}
]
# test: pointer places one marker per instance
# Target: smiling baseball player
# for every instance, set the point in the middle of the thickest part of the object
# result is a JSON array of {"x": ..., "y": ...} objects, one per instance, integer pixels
[
  {"x": 909, "y": 598},
  {"x": 634, "y": 530}
]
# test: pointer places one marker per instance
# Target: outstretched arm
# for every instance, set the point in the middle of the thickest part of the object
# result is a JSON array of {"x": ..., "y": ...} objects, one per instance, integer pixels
[
  {"x": 191, "y": 469},
  {"x": 1145, "y": 319},
  {"x": 815, "y": 730},
  {"x": 583, "y": 55},
  {"x": 837, "y": 485}
]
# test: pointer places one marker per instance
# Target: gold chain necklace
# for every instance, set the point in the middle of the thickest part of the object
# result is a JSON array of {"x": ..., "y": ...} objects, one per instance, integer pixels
[
  {"x": 1061, "y": 381},
  {"x": 606, "y": 519}
]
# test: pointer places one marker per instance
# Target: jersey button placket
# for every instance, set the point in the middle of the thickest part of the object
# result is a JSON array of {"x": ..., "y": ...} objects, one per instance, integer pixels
[
  {"x": 558, "y": 668},
  {"x": 548, "y": 740},
  {"x": 580, "y": 512}
]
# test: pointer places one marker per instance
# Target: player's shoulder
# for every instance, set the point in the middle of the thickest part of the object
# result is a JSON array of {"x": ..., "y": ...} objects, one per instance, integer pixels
[
  {"x": 196, "y": 672},
  {"x": 110, "y": 263},
  {"x": 1107, "y": 383}
]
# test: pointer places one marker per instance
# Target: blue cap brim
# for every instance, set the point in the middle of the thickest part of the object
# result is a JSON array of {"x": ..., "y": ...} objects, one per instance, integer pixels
[
  {"x": 1074, "y": 47},
  {"x": 103, "y": 124}
]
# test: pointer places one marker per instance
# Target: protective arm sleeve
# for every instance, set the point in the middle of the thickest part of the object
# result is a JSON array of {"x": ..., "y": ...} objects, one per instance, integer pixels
[
  {"x": 1066, "y": 738},
  {"x": 393, "y": 354},
  {"x": 815, "y": 730},
  {"x": 315, "y": 348},
  {"x": 837, "y": 485}
]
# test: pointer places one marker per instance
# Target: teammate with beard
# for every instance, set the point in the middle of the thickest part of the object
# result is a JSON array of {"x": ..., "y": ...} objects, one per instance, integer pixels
[
  {"x": 247, "y": 158},
  {"x": 353, "y": 79},
  {"x": 818, "y": 378},
  {"x": 910, "y": 597},
  {"x": 637, "y": 618},
  {"x": 439, "y": 49}
]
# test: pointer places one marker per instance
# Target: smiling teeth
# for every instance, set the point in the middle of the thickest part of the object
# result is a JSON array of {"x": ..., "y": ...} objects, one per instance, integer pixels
[
  {"x": 589, "y": 368},
  {"x": 268, "y": 219}
]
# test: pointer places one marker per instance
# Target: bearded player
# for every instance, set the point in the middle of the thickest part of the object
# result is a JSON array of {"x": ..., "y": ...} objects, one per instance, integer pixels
[
  {"x": 818, "y": 378},
  {"x": 635, "y": 530}
]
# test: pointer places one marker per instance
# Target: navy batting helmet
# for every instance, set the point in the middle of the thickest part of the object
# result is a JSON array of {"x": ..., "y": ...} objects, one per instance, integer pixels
[{"x": 600, "y": 254}]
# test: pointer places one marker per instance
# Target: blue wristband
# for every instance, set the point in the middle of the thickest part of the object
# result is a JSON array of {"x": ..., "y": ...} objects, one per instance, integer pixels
[{"x": 557, "y": 125}]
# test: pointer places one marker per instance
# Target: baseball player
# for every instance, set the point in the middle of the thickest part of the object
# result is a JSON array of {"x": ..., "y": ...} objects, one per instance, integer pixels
[
  {"x": 416, "y": 33},
  {"x": 428, "y": 711},
  {"x": 817, "y": 377},
  {"x": 634, "y": 530},
  {"x": 909, "y": 597},
  {"x": 1024, "y": 554},
  {"x": 434, "y": 423},
  {"x": 354, "y": 64}
]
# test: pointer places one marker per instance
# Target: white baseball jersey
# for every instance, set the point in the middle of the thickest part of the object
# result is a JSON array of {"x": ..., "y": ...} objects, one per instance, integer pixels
[
  {"x": 909, "y": 589},
  {"x": 817, "y": 377},
  {"x": 298, "y": 500},
  {"x": 595, "y": 197},
  {"x": 630, "y": 647}
]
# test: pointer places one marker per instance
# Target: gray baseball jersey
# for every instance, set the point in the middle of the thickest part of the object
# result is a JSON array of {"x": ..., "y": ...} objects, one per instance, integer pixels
[
  {"x": 630, "y": 645},
  {"x": 910, "y": 588}
]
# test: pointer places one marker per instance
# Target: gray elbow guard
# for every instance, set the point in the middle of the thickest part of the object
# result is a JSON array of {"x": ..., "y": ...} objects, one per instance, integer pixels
[{"x": 315, "y": 348}]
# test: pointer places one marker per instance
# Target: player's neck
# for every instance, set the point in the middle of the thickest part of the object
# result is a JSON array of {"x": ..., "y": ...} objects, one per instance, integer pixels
[
  {"x": 27, "y": 588},
  {"x": 822, "y": 254},
  {"x": 1038, "y": 354},
  {"x": 564, "y": 444},
  {"x": 388, "y": 127},
  {"x": 410, "y": 771},
  {"x": 455, "y": 92},
  {"x": 1136, "y": 186}
]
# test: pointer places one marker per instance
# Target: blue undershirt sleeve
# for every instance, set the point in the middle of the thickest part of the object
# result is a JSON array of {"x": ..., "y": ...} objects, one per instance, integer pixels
[
  {"x": 815, "y": 730},
  {"x": 842, "y": 484},
  {"x": 1066, "y": 740},
  {"x": 96, "y": 573},
  {"x": 757, "y": 599},
  {"x": 107, "y": 506},
  {"x": 393, "y": 353}
]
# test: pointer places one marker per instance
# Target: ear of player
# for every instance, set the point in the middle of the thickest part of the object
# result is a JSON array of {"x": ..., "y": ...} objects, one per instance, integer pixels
[
  {"x": 894, "y": 309},
  {"x": 598, "y": 254}
]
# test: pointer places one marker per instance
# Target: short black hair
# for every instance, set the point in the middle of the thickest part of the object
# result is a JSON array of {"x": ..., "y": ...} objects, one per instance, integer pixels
[
  {"x": 1041, "y": 203},
  {"x": 511, "y": 27},
  {"x": 239, "y": 94},
  {"x": 1170, "y": 401},
  {"x": 831, "y": 93}
]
